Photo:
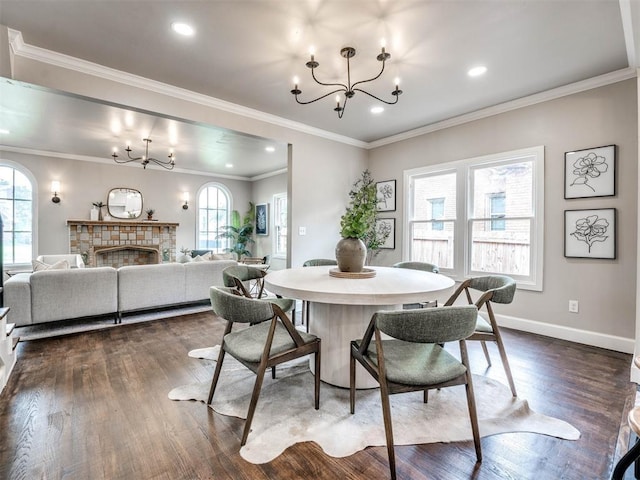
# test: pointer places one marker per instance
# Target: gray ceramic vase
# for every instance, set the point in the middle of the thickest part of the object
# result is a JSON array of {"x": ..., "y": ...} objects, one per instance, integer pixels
[{"x": 351, "y": 254}]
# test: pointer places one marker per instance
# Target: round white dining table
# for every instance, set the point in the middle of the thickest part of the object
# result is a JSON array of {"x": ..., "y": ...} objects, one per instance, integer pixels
[{"x": 341, "y": 308}]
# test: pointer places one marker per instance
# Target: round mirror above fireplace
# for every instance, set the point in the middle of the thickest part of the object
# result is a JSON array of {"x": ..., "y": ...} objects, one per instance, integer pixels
[{"x": 124, "y": 203}]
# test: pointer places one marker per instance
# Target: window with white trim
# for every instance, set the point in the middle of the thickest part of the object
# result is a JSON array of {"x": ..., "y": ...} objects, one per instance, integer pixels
[
  {"x": 214, "y": 207},
  {"x": 16, "y": 208},
  {"x": 487, "y": 217},
  {"x": 280, "y": 225}
]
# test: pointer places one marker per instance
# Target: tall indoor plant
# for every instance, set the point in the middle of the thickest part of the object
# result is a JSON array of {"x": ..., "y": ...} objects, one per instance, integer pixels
[
  {"x": 356, "y": 223},
  {"x": 240, "y": 232}
]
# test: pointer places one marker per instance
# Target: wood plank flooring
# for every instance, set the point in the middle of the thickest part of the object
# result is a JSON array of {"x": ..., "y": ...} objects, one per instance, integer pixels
[{"x": 94, "y": 406}]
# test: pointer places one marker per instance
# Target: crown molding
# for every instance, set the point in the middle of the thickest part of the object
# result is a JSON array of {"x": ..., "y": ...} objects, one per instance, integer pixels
[
  {"x": 88, "y": 158},
  {"x": 555, "y": 93},
  {"x": 56, "y": 59},
  {"x": 82, "y": 66}
]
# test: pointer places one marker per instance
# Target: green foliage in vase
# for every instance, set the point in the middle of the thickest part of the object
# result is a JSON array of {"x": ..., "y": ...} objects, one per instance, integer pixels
[
  {"x": 240, "y": 232},
  {"x": 360, "y": 216}
]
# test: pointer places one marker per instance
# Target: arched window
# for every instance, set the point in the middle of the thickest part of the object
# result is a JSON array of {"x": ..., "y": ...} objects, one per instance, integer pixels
[
  {"x": 16, "y": 208},
  {"x": 214, "y": 206}
]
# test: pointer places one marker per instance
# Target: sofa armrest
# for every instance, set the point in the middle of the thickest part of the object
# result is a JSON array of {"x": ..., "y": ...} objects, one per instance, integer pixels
[{"x": 17, "y": 296}]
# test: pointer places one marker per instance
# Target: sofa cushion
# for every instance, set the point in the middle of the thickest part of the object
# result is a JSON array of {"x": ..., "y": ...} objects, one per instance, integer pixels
[
  {"x": 200, "y": 276},
  {"x": 149, "y": 286}
]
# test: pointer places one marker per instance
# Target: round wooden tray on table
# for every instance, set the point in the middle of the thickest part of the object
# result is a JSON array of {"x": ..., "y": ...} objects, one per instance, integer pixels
[{"x": 365, "y": 273}]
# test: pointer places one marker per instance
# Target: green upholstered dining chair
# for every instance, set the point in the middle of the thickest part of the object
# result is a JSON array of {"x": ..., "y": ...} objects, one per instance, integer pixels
[
  {"x": 413, "y": 359},
  {"x": 238, "y": 277},
  {"x": 489, "y": 289},
  {"x": 426, "y": 267},
  {"x": 314, "y": 262},
  {"x": 269, "y": 341}
]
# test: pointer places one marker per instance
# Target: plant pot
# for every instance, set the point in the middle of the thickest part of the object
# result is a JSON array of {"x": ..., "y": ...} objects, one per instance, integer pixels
[{"x": 351, "y": 254}]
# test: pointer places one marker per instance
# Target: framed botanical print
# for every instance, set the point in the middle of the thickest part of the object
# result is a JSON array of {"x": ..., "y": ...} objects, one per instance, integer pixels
[
  {"x": 262, "y": 219},
  {"x": 590, "y": 172},
  {"x": 386, "y": 228},
  {"x": 386, "y": 192},
  {"x": 590, "y": 233}
]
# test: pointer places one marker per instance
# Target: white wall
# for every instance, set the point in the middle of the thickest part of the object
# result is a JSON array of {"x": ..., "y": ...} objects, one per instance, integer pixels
[
  {"x": 605, "y": 288},
  {"x": 263, "y": 192},
  {"x": 83, "y": 183}
]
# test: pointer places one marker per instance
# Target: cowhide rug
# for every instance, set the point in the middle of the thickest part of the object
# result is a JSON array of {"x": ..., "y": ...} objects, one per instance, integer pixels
[{"x": 285, "y": 414}]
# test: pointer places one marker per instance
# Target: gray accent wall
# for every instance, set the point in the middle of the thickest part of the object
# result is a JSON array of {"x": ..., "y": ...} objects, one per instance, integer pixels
[{"x": 605, "y": 289}]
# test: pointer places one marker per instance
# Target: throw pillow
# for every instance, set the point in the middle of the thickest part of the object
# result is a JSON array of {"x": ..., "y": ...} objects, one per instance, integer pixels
[
  {"x": 199, "y": 258},
  {"x": 223, "y": 256},
  {"x": 40, "y": 266}
]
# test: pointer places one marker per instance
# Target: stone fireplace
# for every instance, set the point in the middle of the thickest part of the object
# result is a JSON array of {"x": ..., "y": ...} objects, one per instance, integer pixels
[{"x": 119, "y": 243}]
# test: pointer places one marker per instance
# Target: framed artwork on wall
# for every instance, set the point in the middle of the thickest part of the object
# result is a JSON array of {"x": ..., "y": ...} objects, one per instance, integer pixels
[
  {"x": 590, "y": 172},
  {"x": 387, "y": 226},
  {"x": 386, "y": 192},
  {"x": 262, "y": 219},
  {"x": 590, "y": 233}
]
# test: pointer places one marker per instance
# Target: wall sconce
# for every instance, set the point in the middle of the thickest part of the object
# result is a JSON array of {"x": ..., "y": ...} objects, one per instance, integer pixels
[
  {"x": 55, "y": 188},
  {"x": 185, "y": 197}
]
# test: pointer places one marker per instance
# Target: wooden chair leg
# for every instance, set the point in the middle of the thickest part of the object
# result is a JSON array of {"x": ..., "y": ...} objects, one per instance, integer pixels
[
  {"x": 505, "y": 363},
  {"x": 216, "y": 375},
  {"x": 388, "y": 428},
  {"x": 252, "y": 405},
  {"x": 486, "y": 352},
  {"x": 317, "y": 378},
  {"x": 352, "y": 383},
  {"x": 473, "y": 416}
]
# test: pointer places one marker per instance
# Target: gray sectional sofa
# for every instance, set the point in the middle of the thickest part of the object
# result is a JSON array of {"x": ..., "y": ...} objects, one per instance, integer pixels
[{"x": 52, "y": 295}]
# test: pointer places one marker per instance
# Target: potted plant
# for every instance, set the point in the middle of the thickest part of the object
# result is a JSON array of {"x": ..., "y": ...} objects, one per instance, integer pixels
[
  {"x": 149, "y": 212},
  {"x": 240, "y": 232},
  {"x": 356, "y": 223}
]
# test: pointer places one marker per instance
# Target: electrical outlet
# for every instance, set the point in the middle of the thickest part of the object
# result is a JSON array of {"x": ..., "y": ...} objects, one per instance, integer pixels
[
  {"x": 302, "y": 230},
  {"x": 573, "y": 306}
]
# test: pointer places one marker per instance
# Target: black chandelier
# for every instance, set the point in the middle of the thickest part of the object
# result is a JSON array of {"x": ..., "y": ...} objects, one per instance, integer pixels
[
  {"x": 349, "y": 89},
  {"x": 145, "y": 159}
]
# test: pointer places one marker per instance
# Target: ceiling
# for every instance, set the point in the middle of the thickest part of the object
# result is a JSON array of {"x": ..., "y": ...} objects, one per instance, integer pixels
[{"x": 247, "y": 52}]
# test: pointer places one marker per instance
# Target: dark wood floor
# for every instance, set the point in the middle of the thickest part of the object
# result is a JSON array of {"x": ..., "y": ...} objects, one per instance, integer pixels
[{"x": 94, "y": 406}]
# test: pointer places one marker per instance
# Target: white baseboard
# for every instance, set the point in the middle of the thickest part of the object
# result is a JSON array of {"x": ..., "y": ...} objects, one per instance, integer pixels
[{"x": 595, "y": 339}]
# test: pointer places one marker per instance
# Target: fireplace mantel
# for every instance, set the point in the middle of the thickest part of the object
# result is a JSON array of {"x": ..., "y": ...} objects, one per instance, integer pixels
[{"x": 122, "y": 242}]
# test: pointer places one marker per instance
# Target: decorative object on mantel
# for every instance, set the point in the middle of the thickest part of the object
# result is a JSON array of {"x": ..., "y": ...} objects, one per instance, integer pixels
[
  {"x": 145, "y": 159},
  {"x": 357, "y": 226},
  {"x": 98, "y": 206},
  {"x": 349, "y": 89},
  {"x": 149, "y": 212}
]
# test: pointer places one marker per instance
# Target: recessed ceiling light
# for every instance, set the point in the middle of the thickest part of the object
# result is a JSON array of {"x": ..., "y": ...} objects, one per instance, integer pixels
[
  {"x": 183, "y": 29},
  {"x": 477, "y": 71},
  {"x": 4, "y": 131},
  {"x": 270, "y": 149},
  {"x": 377, "y": 110},
  {"x": 229, "y": 165}
]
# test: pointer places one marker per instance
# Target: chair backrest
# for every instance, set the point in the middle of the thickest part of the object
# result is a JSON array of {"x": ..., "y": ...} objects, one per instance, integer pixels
[
  {"x": 427, "y": 267},
  {"x": 236, "y": 308},
  {"x": 319, "y": 262},
  {"x": 503, "y": 288},
  {"x": 241, "y": 272},
  {"x": 74, "y": 259},
  {"x": 428, "y": 325}
]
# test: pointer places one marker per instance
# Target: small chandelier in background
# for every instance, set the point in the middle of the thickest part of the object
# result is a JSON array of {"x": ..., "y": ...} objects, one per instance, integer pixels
[
  {"x": 145, "y": 159},
  {"x": 349, "y": 88}
]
